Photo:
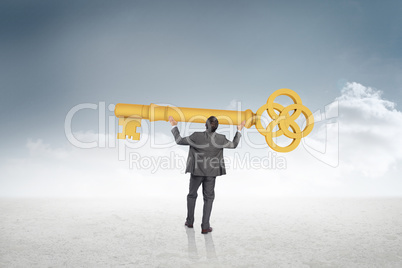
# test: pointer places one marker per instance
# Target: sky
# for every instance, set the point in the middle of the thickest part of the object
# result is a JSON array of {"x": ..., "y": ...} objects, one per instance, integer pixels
[{"x": 55, "y": 55}]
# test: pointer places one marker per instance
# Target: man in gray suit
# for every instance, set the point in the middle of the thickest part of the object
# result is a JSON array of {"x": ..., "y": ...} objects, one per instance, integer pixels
[{"x": 205, "y": 162}]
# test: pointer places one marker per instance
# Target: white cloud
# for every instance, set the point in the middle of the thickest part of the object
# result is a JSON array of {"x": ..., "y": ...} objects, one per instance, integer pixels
[
  {"x": 370, "y": 130},
  {"x": 233, "y": 105},
  {"x": 370, "y": 152}
]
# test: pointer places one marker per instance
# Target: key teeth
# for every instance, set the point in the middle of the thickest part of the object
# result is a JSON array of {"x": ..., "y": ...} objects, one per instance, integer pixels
[
  {"x": 121, "y": 136},
  {"x": 135, "y": 137},
  {"x": 129, "y": 128}
]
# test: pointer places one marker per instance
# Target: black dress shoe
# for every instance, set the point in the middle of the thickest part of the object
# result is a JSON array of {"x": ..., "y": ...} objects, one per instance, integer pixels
[
  {"x": 205, "y": 231},
  {"x": 188, "y": 225}
]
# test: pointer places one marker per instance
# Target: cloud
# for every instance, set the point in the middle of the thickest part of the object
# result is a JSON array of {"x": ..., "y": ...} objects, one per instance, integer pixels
[
  {"x": 370, "y": 131},
  {"x": 233, "y": 105},
  {"x": 370, "y": 152}
]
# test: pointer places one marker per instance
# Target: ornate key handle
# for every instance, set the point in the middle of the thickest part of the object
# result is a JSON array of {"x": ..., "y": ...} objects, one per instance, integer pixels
[
  {"x": 130, "y": 116},
  {"x": 283, "y": 119}
]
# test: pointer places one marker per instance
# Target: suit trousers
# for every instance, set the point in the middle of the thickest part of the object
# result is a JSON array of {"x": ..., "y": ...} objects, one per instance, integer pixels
[{"x": 208, "y": 191}]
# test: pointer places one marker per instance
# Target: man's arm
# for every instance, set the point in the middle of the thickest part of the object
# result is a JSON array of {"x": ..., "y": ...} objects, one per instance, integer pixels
[
  {"x": 176, "y": 133},
  {"x": 179, "y": 139},
  {"x": 233, "y": 144}
]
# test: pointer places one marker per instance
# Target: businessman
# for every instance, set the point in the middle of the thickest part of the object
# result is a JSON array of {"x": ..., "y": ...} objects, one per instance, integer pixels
[{"x": 205, "y": 162}]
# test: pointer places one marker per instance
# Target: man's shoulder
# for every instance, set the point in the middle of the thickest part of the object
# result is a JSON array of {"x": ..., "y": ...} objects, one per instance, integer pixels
[
  {"x": 223, "y": 136},
  {"x": 220, "y": 135}
]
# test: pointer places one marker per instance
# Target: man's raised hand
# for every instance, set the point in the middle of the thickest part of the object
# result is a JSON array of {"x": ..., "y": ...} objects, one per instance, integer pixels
[
  {"x": 172, "y": 121},
  {"x": 239, "y": 127}
]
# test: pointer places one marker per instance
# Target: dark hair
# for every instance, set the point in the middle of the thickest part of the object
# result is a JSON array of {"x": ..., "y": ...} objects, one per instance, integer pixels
[{"x": 212, "y": 123}]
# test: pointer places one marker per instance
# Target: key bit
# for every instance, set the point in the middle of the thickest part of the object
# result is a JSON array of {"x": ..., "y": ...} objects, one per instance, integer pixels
[{"x": 129, "y": 128}]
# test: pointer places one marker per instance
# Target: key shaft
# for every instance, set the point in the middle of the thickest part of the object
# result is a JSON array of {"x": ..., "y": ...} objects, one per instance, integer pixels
[{"x": 155, "y": 112}]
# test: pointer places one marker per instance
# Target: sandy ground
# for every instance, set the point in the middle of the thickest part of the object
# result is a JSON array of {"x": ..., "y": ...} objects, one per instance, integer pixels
[{"x": 149, "y": 232}]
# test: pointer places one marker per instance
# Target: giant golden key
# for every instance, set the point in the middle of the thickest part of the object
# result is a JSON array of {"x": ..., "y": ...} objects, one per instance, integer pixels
[{"x": 130, "y": 116}]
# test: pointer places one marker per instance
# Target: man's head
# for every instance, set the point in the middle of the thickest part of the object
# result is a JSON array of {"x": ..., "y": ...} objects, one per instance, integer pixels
[{"x": 212, "y": 123}]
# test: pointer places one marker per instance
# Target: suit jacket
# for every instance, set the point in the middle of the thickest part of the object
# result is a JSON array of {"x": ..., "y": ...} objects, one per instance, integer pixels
[{"x": 205, "y": 157}]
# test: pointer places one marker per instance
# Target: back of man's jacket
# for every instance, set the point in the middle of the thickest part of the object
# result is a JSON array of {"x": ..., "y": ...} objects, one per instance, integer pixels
[{"x": 205, "y": 157}]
